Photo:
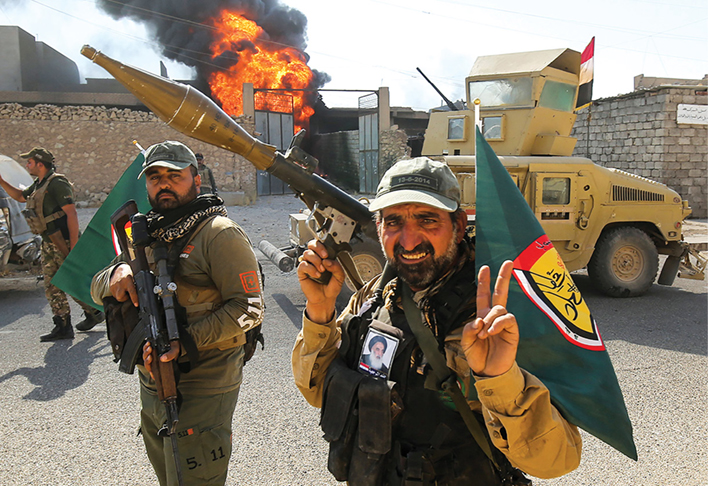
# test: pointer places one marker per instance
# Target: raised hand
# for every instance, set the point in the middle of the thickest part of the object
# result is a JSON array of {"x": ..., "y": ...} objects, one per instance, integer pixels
[
  {"x": 490, "y": 341},
  {"x": 320, "y": 298}
]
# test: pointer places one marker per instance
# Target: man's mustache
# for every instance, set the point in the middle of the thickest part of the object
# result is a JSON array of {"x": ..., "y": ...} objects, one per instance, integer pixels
[
  {"x": 165, "y": 191},
  {"x": 422, "y": 247}
]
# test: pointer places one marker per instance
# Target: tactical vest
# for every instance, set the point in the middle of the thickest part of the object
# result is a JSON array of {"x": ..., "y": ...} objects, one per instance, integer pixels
[
  {"x": 196, "y": 301},
  {"x": 397, "y": 431},
  {"x": 34, "y": 207}
]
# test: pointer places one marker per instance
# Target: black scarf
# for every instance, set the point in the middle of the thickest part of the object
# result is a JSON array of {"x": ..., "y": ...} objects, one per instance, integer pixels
[{"x": 178, "y": 222}]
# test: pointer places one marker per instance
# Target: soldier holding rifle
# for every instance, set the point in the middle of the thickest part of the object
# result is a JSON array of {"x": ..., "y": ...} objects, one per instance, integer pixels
[
  {"x": 50, "y": 212},
  {"x": 218, "y": 289}
]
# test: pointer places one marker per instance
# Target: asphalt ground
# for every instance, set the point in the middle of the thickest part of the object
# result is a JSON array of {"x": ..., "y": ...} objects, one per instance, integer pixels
[{"x": 68, "y": 417}]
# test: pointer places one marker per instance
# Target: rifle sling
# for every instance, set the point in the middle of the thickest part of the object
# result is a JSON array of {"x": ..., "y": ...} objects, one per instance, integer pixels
[
  {"x": 186, "y": 340},
  {"x": 445, "y": 378}
]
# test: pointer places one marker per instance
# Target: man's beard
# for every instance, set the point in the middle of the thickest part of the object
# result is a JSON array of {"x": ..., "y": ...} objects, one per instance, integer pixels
[
  {"x": 169, "y": 204},
  {"x": 376, "y": 362},
  {"x": 420, "y": 275}
]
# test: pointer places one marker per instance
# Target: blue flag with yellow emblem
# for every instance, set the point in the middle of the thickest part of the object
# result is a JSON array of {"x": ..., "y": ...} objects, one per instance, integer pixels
[{"x": 560, "y": 342}]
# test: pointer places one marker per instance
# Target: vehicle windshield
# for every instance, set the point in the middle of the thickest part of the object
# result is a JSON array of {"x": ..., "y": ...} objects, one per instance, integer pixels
[{"x": 502, "y": 92}]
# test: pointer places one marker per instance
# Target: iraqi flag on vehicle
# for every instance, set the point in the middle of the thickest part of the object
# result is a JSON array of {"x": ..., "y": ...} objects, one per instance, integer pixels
[
  {"x": 560, "y": 341},
  {"x": 96, "y": 247},
  {"x": 587, "y": 69}
]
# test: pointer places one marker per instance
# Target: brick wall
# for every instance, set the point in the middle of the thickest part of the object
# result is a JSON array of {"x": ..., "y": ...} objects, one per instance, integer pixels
[
  {"x": 638, "y": 133},
  {"x": 93, "y": 145}
]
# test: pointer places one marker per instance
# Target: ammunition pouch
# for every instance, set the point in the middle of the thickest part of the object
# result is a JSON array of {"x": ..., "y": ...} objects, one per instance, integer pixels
[
  {"x": 33, "y": 211},
  {"x": 356, "y": 421},
  {"x": 121, "y": 319}
]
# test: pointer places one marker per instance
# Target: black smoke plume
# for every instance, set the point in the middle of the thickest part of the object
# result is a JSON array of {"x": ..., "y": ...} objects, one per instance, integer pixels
[{"x": 182, "y": 29}]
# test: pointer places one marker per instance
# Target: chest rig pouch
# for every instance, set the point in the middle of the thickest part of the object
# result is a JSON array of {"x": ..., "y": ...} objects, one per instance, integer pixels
[
  {"x": 34, "y": 207},
  {"x": 358, "y": 410}
]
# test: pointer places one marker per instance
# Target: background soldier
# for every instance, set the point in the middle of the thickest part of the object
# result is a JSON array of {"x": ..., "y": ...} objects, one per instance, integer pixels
[
  {"x": 50, "y": 212},
  {"x": 449, "y": 332},
  {"x": 208, "y": 184},
  {"x": 219, "y": 287}
]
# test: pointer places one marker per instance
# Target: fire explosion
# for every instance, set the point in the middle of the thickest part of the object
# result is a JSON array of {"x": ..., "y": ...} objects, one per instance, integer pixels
[{"x": 265, "y": 64}]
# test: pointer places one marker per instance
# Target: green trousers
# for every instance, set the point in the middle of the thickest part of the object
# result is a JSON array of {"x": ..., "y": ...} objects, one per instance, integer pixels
[{"x": 204, "y": 438}]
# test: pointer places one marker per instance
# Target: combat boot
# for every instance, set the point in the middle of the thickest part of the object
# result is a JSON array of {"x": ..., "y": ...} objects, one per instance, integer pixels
[
  {"x": 90, "y": 321},
  {"x": 62, "y": 329}
]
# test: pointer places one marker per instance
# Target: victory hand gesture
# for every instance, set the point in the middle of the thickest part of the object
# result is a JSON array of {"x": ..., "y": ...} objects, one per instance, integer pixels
[{"x": 490, "y": 341}]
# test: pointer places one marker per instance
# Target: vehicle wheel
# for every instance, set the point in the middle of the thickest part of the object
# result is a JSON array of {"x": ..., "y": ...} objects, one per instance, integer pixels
[
  {"x": 369, "y": 261},
  {"x": 624, "y": 263}
]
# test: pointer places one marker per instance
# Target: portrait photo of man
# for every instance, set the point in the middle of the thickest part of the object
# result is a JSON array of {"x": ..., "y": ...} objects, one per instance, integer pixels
[{"x": 375, "y": 359}]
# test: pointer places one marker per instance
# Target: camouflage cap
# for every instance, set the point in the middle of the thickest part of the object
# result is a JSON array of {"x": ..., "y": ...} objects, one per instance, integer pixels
[
  {"x": 170, "y": 154},
  {"x": 41, "y": 154},
  {"x": 418, "y": 181}
]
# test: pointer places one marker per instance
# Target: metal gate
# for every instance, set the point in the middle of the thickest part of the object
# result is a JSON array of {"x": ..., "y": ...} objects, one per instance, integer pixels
[
  {"x": 277, "y": 129},
  {"x": 368, "y": 143}
]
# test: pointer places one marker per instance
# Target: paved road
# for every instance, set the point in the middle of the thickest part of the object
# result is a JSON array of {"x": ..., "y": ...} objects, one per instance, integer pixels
[{"x": 70, "y": 418}]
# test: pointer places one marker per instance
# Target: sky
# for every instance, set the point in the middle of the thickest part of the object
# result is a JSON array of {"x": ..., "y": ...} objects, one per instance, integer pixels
[{"x": 366, "y": 44}]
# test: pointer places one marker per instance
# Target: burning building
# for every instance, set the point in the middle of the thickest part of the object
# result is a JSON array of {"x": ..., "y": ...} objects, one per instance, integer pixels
[{"x": 231, "y": 42}]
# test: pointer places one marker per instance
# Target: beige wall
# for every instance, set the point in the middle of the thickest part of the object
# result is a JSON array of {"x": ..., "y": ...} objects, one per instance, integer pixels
[{"x": 93, "y": 146}]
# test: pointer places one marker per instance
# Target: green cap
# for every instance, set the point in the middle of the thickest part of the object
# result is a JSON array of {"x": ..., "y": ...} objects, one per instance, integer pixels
[
  {"x": 170, "y": 154},
  {"x": 418, "y": 181},
  {"x": 41, "y": 154}
]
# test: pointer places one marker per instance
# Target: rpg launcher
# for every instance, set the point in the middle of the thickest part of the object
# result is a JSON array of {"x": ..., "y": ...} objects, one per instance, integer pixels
[
  {"x": 157, "y": 314},
  {"x": 338, "y": 215}
]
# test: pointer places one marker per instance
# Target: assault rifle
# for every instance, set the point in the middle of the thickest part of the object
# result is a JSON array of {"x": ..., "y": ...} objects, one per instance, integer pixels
[
  {"x": 157, "y": 314},
  {"x": 338, "y": 215}
]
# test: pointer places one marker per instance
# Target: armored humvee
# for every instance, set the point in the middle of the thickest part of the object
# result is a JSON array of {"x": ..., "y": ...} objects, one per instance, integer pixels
[{"x": 609, "y": 221}]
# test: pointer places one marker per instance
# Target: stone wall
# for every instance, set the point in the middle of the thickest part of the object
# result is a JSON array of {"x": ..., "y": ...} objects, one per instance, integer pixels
[
  {"x": 93, "y": 145},
  {"x": 338, "y": 153},
  {"x": 638, "y": 133},
  {"x": 393, "y": 146}
]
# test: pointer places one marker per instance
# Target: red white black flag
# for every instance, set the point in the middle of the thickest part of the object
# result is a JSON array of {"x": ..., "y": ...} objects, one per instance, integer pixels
[{"x": 587, "y": 60}]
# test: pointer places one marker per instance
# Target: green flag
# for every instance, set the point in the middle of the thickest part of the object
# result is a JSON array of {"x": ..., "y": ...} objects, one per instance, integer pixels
[
  {"x": 560, "y": 342},
  {"x": 95, "y": 248}
]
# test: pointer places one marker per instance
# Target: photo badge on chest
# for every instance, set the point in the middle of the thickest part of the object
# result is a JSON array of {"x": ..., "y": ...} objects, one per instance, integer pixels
[{"x": 377, "y": 353}]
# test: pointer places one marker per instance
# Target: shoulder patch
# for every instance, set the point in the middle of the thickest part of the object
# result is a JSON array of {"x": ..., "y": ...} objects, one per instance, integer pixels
[
  {"x": 250, "y": 282},
  {"x": 186, "y": 251}
]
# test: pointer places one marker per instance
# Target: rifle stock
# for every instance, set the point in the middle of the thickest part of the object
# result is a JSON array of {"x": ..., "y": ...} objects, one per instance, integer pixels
[{"x": 192, "y": 113}]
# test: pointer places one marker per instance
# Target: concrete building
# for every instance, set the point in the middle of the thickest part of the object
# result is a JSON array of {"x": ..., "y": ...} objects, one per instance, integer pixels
[{"x": 29, "y": 65}]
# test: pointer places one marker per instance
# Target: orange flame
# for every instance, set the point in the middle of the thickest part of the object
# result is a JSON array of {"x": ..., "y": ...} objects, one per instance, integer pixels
[{"x": 266, "y": 65}]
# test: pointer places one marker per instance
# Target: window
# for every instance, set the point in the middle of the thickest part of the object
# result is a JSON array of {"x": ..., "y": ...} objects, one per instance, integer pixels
[
  {"x": 502, "y": 92},
  {"x": 557, "y": 96},
  {"x": 492, "y": 127},
  {"x": 456, "y": 128},
  {"x": 556, "y": 190}
]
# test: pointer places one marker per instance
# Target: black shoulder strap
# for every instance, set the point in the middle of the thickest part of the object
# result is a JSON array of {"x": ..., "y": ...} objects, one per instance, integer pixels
[
  {"x": 445, "y": 378},
  {"x": 190, "y": 347}
]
